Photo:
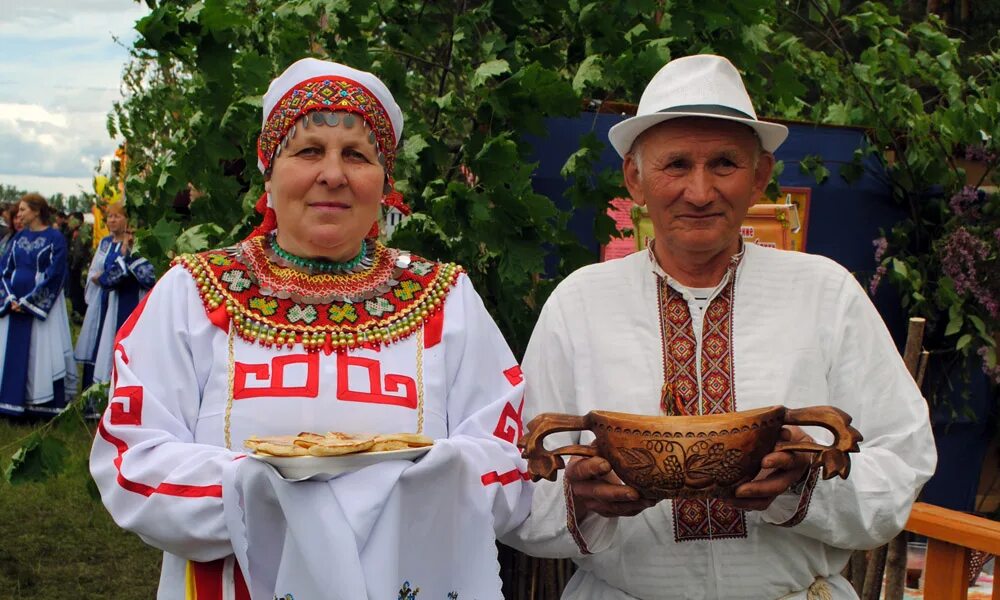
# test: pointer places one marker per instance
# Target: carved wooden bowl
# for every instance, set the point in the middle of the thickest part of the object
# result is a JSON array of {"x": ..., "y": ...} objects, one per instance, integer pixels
[{"x": 705, "y": 456}]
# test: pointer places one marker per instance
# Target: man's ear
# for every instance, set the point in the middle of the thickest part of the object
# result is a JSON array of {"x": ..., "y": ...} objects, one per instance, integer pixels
[
  {"x": 630, "y": 171},
  {"x": 762, "y": 176}
]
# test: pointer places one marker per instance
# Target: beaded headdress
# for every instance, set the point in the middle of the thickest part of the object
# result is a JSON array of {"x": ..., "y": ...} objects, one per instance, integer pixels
[{"x": 323, "y": 88}]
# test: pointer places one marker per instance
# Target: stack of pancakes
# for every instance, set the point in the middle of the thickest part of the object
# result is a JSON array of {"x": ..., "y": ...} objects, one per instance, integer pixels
[{"x": 334, "y": 443}]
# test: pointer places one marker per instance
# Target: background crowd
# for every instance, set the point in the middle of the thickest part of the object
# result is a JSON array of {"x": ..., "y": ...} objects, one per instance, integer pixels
[{"x": 63, "y": 297}]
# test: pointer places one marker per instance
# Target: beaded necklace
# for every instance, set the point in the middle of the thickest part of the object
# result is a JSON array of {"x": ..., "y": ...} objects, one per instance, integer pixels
[{"x": 322, "y": 266}]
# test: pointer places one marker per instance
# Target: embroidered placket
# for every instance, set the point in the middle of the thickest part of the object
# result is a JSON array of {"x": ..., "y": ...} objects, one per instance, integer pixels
[{"x": 698, "y": 379}]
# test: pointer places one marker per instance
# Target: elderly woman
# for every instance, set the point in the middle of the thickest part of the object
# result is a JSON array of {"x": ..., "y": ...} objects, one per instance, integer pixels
[
  {"x": 118, "y": 278},
  {"x": 37, "y": 370},
  {"x": 310, "y": 324}
]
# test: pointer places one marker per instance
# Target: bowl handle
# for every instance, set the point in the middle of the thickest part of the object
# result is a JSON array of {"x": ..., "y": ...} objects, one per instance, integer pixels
[
  {"x": 834, "y": 458},
  {"x": 544, "y": 463}
]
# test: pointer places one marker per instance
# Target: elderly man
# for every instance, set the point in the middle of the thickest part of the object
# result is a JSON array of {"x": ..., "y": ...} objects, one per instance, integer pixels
[{"x": 702, "y": 324}]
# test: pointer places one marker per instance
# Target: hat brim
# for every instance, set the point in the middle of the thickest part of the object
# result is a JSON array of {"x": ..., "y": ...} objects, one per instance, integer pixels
[{"x": 623, "y": 135}]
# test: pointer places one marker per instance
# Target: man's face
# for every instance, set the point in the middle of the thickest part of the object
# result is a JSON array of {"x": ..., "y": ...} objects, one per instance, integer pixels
[{"x": 697, "y": 178}]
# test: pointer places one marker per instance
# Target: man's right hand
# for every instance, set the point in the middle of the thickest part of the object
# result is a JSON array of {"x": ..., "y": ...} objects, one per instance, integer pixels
[{"x": 597, "y": 489}]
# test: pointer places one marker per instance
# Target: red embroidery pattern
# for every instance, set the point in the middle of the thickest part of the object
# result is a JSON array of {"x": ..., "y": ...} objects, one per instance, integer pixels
[
  {"x": 168, "y": 489},
  {"x": 700, "y": 519},
  {"x": 298, "y": 285},
  {"x": 330, "y": 94},
  {"x": 804, "y": 499},
  {"x": 509, "y": 428},
  {"x": 118, "y": 414},
  {"x": 505, "y": 478},
  {"x": 393, "y": 383},
  {"x": 571, "y": 524},
  {"x": 707, "y": 520},
  {"x": 379, "y": 308},
  {"x": 514, "y": 375},
  {"x": 274, "y": 374}
]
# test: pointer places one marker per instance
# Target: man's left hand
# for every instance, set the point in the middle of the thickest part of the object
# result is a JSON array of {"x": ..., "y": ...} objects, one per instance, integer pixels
[{"x": 780, "y": 471}]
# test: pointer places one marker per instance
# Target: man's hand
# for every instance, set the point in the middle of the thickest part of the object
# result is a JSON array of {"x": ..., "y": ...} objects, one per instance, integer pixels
[
  {"x": 781, "y": 470},
  {"x": 597, "y": 489}
]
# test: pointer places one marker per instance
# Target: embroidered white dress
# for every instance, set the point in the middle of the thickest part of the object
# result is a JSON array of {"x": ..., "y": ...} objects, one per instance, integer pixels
[
  {"x": 803, "y": 333},
  {"x": 115, "y": 285},
  {"x": 188, "y": 389},
  {"x": 37, "y": 370}
]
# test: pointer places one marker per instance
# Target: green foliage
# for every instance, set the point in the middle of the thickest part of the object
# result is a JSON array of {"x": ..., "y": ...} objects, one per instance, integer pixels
[
  {"x": 45, "y": 453},
  {"x": 813, "y": 165},
  {"x": 926, "y": 104},
  {"x": 472, "y": 79},
  {"x": 59, "y": 201}
]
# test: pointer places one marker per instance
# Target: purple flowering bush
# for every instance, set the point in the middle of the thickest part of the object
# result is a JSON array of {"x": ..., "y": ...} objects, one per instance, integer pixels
[
  {"x": 931, "y": 110},
  {"x": 955, "y": 281}
]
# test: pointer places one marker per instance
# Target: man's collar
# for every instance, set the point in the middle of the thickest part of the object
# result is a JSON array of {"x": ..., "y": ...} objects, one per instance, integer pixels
[{"x": 734, "y": 260}]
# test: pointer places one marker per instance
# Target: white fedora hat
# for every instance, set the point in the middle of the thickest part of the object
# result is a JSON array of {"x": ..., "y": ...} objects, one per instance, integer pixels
[{"x": 703, "y": 85}]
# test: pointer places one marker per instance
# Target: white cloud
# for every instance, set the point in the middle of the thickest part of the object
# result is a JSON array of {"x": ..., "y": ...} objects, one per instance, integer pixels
[
  {"x": 59, "y": 76},
  {"x": 30, "y": 113}
]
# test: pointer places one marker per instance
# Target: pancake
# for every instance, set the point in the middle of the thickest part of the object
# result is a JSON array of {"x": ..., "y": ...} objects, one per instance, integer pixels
[
  {"x": 334, "y": 443},
  {"x": 306, "y": 439},
  {"x": 275, "y": 445},
  {"x": 337, "y": 444},
  {"x": 388, "y": 446},
  {"x": 412, "y": 440}
]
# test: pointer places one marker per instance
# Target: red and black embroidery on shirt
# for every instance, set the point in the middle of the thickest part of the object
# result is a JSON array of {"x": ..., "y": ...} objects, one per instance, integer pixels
[{"x": 688, "y": 392}]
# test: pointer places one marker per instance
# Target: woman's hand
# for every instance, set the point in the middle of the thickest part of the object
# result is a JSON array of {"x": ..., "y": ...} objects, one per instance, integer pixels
[
  {"x": 14, "y": 306},
  {"x": 126, "y": 242},
  {"x": 597, "y": 489},
  {"x": 781, "y": 470}
]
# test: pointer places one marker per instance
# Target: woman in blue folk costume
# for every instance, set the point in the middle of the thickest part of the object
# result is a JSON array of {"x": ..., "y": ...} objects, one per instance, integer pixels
[
  {"x": 117, "y": 281},
  {"x": 37, "y": 370}
]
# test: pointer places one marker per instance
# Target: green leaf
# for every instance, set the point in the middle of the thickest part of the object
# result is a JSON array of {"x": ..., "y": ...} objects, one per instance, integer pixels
[
  {"x": 489, "y": 69},
  {"x": 900, "y": 267},
  {"x": 814, "y": 14},
  {"x": 636, "y": 33},
  {"x": 446, "y": 101},
  {"x": 201, "y": 237},
  {"x": 978, "y": 324},
  {"x": 963, "y": 341},
  {"x": 164, "y": 233},
  {"x": 954, "y": 325},
  {"x": 813, "y": 164},
  {"x": 412, "y": 147},
  {"x": 589, "y": 72},
  {"x": 39, "y": 458}
]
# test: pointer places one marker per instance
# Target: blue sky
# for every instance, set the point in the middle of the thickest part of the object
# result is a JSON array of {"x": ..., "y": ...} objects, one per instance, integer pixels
[{"x": 60, "y": 68}]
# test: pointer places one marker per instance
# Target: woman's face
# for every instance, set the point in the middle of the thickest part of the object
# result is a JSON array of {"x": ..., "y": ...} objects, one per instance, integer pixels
[
  {"x": 26, "y": 216},
  {"x": 326, "y": 187},
  {"x": 117, "y": 223}
]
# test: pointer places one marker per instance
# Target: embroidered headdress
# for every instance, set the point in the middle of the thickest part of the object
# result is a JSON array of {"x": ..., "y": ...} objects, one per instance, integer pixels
[{"x": 311, "y": 85}]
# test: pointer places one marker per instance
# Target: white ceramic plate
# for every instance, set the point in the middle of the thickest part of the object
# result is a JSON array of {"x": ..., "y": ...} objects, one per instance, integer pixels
[{"x": 323, "y": 468}]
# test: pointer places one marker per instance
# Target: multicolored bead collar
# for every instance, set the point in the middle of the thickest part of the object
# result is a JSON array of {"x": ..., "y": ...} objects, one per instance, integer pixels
[
  {"x": 277, "y": 306},
  {"x": 316, "y": 266},
  {"x": 332, "y": 94}
]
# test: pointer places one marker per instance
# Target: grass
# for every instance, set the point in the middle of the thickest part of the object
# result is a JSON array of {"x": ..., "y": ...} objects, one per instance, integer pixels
[{"x": 58, "y": 542}]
